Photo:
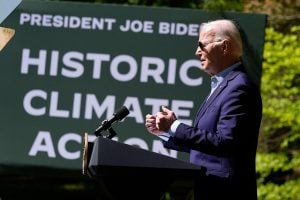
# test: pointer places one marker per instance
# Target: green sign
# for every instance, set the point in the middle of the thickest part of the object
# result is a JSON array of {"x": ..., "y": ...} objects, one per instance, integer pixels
[{"x": 72, "y": 65}]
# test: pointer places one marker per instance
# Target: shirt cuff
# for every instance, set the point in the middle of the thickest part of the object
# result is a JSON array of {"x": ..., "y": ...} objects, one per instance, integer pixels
[
  {"x": 164, "y": 136},
  {"x": 173, "y": 127}
]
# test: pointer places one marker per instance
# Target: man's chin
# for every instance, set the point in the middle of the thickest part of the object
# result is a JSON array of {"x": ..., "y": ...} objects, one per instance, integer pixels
[{"x": 206, "y": 70}]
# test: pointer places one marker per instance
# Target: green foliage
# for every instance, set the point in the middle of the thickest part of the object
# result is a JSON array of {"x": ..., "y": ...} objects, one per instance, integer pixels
[
  {"x": 278, "y": 163},
  {"x": 282, "y": 14},
  {"x": 222, "y": 5},
  {"x": 271, "y": 163},
  {"x": 168, "y": 3},
  {"x": 288, "y": 191},
  {"x": 281, "y": 86}
]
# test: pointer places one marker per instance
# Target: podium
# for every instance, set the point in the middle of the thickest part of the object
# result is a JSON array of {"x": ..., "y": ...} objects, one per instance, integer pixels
[{"x": 128, "y": 172}]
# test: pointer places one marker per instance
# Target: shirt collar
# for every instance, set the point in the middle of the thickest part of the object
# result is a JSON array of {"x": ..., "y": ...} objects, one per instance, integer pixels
[{"x": 221, "y": 75}]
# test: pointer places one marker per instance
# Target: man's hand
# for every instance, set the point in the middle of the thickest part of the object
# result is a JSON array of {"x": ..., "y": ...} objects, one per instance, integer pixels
[
  {"x": 165, "y": 119},
  {"x": 151, "y": 124}
]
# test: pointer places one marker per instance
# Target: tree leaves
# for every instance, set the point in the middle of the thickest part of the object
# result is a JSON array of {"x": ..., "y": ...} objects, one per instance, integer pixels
[{"x": 278, "y": 160}]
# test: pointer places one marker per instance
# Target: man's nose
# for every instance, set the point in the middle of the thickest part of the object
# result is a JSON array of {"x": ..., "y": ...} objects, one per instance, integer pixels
[{"x": 198, "y": 51}]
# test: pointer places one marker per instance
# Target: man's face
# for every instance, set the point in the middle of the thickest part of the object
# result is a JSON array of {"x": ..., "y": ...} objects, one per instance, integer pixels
[{"x": 209, "y": 52}]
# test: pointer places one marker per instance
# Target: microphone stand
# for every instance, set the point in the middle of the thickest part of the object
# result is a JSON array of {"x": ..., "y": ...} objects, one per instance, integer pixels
[{"x": 112, "y": 132}]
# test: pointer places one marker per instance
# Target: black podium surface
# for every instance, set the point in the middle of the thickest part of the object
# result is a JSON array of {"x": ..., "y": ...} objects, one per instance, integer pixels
[{"x": 128, "y": 172}]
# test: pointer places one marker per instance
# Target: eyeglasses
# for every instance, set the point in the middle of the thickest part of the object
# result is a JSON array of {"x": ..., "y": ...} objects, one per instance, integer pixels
[{"x": 202, "y": 46}]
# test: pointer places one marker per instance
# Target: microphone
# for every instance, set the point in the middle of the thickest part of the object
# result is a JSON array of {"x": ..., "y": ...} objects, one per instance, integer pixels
[{"x": 117, "y": 116}]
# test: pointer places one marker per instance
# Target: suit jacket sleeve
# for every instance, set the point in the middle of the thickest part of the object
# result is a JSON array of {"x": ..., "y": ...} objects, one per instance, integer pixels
[{"x": 228, "y": 119}]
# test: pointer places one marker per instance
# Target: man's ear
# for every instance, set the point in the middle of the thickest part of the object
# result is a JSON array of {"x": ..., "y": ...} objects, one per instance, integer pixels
[{"x": 226, "y": 47}]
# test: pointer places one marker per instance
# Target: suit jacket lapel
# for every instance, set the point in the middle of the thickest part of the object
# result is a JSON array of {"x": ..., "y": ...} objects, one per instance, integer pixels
[
  {"x": 214, "y": 95},
  {"x": 199, "y": 110}
]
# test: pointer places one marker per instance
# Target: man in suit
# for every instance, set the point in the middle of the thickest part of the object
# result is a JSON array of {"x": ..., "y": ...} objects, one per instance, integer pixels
[{"x": 224, "y": 136}]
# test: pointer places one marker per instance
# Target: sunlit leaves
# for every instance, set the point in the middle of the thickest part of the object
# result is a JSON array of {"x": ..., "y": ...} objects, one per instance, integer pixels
[{"x": 278, "y": 164}]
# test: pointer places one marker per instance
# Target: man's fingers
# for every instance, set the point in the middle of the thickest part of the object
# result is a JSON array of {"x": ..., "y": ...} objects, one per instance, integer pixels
[
  {"x": 149, "y": 116},
  {"x": 150, "y": 120},
  {"x": 169, "y": 112},
  {"x": 165, "y": 109}
]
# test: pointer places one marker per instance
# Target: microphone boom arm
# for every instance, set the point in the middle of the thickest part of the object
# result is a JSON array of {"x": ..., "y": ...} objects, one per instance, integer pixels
[
  {"x": 112, "y": 133},
  {"x": 106, "y": 125}
]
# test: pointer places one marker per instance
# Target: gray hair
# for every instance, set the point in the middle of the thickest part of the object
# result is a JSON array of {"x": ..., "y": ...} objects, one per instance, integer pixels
[{"x": 225, "y": 29}]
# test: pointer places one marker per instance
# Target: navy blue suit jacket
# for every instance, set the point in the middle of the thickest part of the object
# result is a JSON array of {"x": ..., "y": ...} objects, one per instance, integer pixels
[{"x": 224, "y": 136}]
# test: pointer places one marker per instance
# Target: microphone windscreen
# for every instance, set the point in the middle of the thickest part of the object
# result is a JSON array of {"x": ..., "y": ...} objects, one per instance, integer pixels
[{"x": 121, "y": 113}]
